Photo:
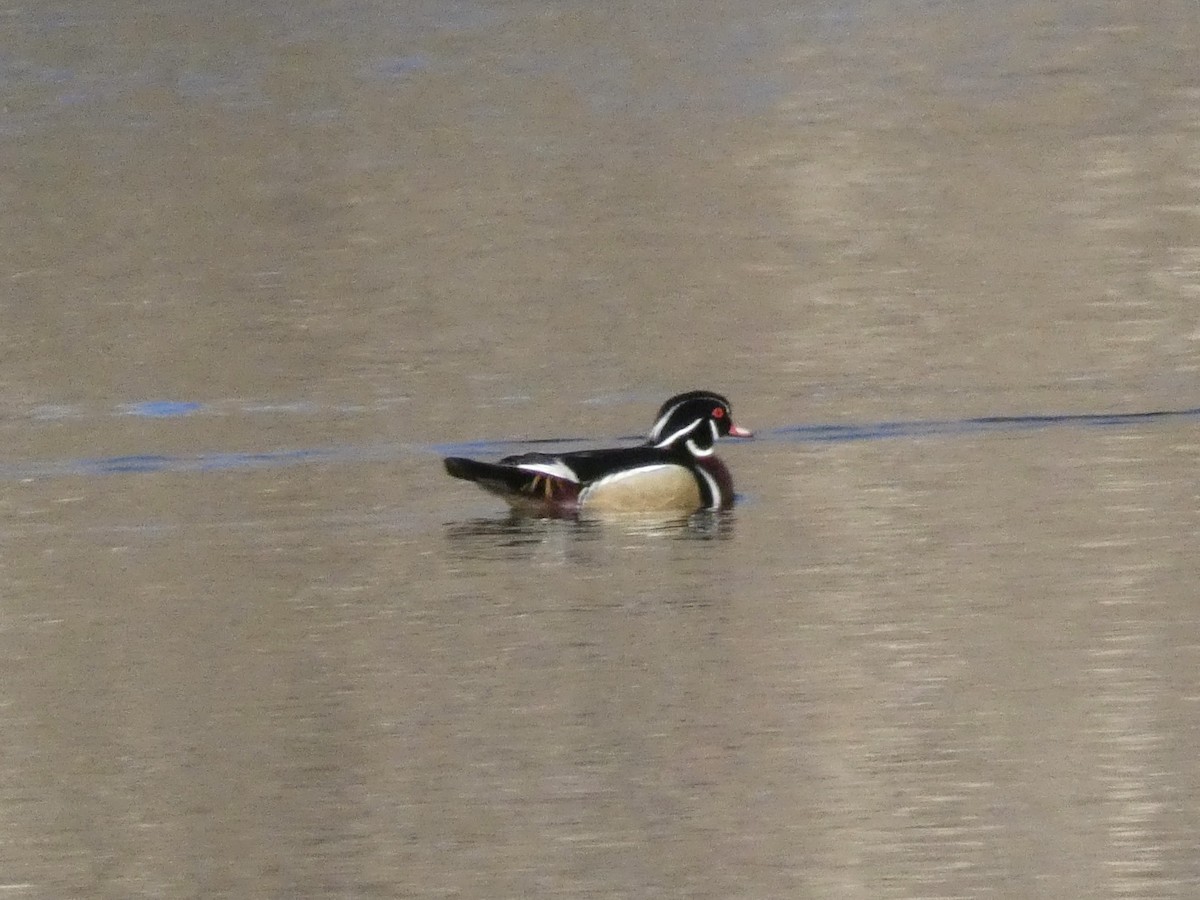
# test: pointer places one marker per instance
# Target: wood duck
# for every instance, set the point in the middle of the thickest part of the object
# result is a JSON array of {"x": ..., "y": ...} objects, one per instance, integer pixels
[{"x": 674, "y": 470}]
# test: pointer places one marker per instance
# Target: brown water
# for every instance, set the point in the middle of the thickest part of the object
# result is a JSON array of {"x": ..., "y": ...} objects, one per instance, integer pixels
[{"x": 277, "y": 653}]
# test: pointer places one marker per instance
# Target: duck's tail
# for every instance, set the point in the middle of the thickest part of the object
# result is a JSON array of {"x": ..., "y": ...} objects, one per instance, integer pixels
[{"x": 520, "y": 487}]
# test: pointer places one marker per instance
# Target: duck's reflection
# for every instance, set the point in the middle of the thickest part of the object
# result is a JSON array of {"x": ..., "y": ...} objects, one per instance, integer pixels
[{"x": 515, "y": 535}]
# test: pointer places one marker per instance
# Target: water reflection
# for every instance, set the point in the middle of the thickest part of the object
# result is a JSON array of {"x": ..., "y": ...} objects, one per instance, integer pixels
[
  {"x": 515, "y": 536},
  {"x": 503, "y": 537}
]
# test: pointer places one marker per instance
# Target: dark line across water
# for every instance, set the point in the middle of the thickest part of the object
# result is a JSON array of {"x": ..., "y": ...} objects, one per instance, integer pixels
[
  {"x": 921, "y": 428},
  {"x": 826, "y": 433}
]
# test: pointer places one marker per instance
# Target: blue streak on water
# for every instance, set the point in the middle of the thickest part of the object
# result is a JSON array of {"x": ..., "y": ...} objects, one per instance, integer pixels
[
  {"x": 161, "y": 409},
  {"x": 400, "y": 66},
  {"x": 148, "y": 463}
]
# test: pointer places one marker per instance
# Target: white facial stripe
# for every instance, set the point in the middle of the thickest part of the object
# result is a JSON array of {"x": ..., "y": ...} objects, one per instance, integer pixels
[
  {"x": 662, "y": 421},
  {"x": 697, "y": 451},
  {"x": 554, "y": 469},
  {"x": 712, "y": 423},
  {"x": 668, "y": 441}
]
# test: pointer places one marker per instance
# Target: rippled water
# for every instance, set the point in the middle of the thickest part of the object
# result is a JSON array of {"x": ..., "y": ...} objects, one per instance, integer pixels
[{"x": 265, "y": 263}]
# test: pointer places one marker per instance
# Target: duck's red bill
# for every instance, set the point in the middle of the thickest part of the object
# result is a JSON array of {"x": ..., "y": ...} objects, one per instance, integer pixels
[{"x": 739, "y": 431}]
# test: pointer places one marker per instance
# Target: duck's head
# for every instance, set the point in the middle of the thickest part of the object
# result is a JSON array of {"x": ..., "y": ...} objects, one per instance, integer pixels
[{"x": 698, "y": 419}]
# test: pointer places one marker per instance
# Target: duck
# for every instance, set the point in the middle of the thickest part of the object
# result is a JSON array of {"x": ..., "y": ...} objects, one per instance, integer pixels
[{"x": 674, "y": 470}]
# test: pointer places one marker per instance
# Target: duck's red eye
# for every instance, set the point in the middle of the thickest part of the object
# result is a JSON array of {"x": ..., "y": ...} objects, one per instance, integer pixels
[{"x": 718, "y": 413}]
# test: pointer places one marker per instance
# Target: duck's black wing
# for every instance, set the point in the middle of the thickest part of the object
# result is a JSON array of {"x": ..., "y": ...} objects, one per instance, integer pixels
[{"x": 585, "y": 466}]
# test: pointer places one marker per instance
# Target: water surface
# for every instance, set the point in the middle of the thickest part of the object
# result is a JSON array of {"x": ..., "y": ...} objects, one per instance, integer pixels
[{"x": 263, "y": 263}]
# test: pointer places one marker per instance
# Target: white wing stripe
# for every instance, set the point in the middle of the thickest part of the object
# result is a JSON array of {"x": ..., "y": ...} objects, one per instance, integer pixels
[
  {"x": 554, "y": 469},
  {"x": 630, "y": 473},
  {"x": 624, "y": 474}
]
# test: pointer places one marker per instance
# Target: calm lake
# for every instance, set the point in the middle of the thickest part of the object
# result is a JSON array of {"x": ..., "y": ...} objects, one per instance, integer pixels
[{"x": 264, "y": 263}]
